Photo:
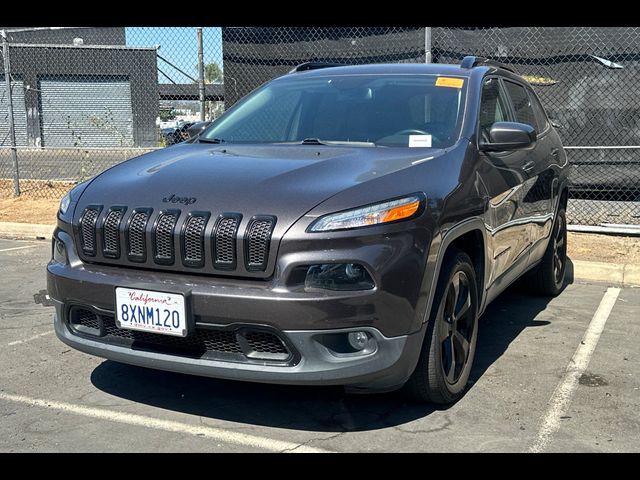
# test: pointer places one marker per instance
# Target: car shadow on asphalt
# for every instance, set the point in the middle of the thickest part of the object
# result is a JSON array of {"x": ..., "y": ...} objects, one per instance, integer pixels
[{"x": 326, "y": 409}]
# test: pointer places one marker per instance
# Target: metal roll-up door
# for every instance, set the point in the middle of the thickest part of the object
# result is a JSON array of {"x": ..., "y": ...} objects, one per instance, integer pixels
[
  {"x": 19, "y": 113},
  {"x": 86, "y": 111}
]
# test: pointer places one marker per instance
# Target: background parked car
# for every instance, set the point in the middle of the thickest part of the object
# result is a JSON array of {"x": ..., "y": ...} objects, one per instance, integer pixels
[
  {"x": 182, "y": 132},
  {"x": 171, "y": 136}
]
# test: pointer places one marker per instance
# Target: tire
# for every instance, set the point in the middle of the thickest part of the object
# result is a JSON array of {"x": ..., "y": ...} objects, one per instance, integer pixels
[
  {"x": 436, "y": 378},
  {"x": 548, "y": 277}
]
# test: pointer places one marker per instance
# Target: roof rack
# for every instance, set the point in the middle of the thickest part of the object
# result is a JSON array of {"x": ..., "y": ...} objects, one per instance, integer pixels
[
  {"x": 471, "y": 61},
  {"x": 314, "y": 66}
]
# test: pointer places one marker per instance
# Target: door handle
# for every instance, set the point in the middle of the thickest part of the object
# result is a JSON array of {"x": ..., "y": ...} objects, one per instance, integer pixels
[
  {"x": 554, "y": 153},
  {"x": 530, "y": 165}
]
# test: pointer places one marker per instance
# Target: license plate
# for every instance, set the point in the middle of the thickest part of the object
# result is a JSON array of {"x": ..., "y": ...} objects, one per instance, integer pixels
[{"x": 149, "y": 311}]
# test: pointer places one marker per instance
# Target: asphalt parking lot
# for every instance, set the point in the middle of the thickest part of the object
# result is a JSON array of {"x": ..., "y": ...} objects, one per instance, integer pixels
[{"x": 549, "y": 375}]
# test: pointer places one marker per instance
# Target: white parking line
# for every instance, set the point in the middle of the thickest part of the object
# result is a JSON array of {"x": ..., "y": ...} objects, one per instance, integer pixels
[
  {"x": 561, "y": 398},
  {"x": 18, "y": 342},
  {"x": 16, "y": 248},
  {"x": 166, "y": 425}
]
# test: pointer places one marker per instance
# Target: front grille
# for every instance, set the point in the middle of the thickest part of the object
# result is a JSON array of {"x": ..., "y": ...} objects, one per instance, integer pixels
[
  {"x": 257, "y": 242},
  {"x": 177, "y": 241},
  {"x": 137, "y": 248},
  {"x": 224, "y": 241},
  {"x": 265, "y": 342},
  {"x": 163, "y": 237},
  {"x": 193, "y": 239},
  {"x": 85, "y": 318},
  {"x": 88, "y": 230},
  {"x": 198, "y": 343},
  {"x": 111, "y": 233},
  {"x": 243, "y": 344}
]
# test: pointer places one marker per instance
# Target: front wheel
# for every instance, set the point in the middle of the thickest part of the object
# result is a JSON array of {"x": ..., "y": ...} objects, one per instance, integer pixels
[{"x": 450, "y": 342}]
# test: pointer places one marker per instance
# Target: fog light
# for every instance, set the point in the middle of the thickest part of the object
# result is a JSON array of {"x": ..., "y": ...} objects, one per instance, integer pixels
[
  {"x": 358, "y": 340},
  {"x": 59, "y": 251},
  {"x": 338, "y": 276}
]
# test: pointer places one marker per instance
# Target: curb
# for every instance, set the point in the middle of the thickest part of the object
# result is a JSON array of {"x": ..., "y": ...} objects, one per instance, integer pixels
[
  {"x": 26, "y": 231},
  {"x": 626, "y": 275}
]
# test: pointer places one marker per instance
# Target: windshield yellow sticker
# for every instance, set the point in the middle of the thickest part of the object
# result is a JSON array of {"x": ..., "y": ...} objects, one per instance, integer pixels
[{"x": 449, "y": 82}]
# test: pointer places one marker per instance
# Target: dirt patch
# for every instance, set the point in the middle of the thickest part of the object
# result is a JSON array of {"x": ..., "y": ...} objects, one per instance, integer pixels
[
  {"x": 29, "y": 210},
  {"x": 51, "y": 189},
  {"x": 37, "y": 203},
  {"x": 603, "y": 248}
]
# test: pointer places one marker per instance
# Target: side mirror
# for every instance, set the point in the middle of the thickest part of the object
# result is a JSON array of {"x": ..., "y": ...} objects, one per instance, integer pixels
[{"x": 505, "y": 136}]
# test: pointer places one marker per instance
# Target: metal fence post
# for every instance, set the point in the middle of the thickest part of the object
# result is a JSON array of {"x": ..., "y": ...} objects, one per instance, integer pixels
[
  {"x": 427, "y": 45},
  {"x": 201, "y": 72},
  {"x": 12, "y": 131}
]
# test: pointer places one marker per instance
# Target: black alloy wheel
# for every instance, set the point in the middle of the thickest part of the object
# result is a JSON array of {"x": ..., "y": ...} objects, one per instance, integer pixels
[{"x": 449, "y": 345}]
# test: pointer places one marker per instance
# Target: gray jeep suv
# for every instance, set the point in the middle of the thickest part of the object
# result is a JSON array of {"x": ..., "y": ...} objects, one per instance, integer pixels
[{"x": 340, "y": 225}]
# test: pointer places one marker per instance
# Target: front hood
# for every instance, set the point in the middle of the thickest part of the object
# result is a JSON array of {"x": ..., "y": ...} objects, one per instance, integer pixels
[
  {"x": 286, "y": 181},
  {"x": 283, "y": 181}
]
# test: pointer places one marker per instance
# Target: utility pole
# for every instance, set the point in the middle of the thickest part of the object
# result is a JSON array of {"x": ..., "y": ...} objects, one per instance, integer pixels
[
  {"x": 12, "y": 130},
  {"x": 201, "y": 72},
  {"x": 427, "y": 45}
]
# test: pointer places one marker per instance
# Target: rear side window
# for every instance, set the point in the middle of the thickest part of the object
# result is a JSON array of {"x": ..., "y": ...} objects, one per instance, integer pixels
[
  {"x": 538, "y": 111},
  {"x": 521, "y": 104}
]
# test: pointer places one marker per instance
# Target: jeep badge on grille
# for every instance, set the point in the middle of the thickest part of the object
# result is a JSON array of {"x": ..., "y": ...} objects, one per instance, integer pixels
[{"x": 175, "y": 199}]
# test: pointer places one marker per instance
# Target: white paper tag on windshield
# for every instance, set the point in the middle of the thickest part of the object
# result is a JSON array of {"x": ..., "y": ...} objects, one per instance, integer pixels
[{"x": 420, "y": 141}]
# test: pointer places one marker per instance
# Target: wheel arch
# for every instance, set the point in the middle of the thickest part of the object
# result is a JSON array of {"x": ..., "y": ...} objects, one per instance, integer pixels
[
  {"x": 564, "y": 196},
  {"x": 470, "y": 237},
  {"x": 561, "y": 194}
]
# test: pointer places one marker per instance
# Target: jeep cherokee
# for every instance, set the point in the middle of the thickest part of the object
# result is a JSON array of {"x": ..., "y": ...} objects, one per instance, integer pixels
[{"x": 340, "y": 225}]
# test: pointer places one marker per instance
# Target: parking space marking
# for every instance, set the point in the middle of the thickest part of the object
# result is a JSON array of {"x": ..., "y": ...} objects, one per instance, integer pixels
[
  {"x": 561, "y": 398},
  {"x": 18, "y": 342},
  {"x": 217, "y": 434},
  {"x": 17, "y": 248}
]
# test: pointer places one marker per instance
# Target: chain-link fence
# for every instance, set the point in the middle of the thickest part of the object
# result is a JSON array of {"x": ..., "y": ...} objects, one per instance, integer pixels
[{"x": 84, "y": 99}]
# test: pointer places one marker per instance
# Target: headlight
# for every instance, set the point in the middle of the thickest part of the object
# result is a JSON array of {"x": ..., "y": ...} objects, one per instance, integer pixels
[
  {"x": 72, "y": 196},
  {"x": 385, "y": 212},
  {"x": 64, "y": 203}
]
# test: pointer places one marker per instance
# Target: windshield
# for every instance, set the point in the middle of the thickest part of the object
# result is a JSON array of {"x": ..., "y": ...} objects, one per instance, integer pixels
[{"x": 389, "y": 110}]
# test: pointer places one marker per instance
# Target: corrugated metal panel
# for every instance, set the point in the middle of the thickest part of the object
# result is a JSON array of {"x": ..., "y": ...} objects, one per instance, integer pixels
[
  {"x": 86, "y": 111},
  {"x": 19, "y": 113}
]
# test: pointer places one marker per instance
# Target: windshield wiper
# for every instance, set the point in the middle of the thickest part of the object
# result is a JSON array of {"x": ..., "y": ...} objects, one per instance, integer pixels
[
  {"x": 317, "y": 141},
  {"x": 210, "y": 140},
  {"x": 312, "y": 141}
]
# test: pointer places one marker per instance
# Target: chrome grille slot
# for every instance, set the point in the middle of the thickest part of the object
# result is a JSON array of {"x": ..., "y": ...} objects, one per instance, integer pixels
[
  {"x": 257, "y": 242},
  {"x": 136, "y": 235},
  {"x": 163, "y": 241},
  {"x": 224, "y": 241},
  {"x": 193, "y": 239}
]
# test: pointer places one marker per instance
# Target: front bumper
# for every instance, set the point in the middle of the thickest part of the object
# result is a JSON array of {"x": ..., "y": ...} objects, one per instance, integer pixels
[
  {"x": 385, "y": 368},
  {"x": 301, "y": 318}
]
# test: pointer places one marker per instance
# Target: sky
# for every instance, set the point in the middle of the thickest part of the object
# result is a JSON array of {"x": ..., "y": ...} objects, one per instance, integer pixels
[{"x": 179, "y": 46}]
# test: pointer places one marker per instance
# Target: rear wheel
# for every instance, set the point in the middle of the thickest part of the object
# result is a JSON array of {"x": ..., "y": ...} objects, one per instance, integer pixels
[
  {"x": 449, "y": 345},
  {"x": 548, "y": 278}
]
